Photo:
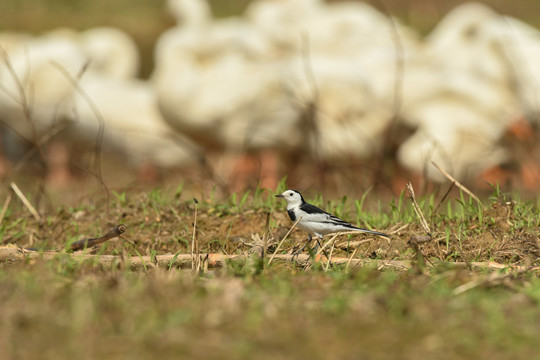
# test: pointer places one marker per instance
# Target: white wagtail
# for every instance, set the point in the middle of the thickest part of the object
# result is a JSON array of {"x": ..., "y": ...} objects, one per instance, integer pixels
[{"x": 316, "y": 221}]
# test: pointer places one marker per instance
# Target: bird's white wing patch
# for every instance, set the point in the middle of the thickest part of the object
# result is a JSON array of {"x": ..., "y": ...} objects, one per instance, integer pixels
[
  {"x": 325, "y": 218},
  {"x": 318, "y": 217}
]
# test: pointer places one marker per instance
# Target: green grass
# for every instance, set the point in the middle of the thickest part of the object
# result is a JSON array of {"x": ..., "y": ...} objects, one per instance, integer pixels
[{"x": 65, "y": 308}]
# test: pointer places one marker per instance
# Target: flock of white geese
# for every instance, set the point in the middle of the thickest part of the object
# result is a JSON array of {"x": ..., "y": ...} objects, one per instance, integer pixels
[{"x": 287, "y": 76}]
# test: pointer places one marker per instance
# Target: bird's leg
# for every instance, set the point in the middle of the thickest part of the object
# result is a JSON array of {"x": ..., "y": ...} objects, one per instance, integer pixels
[
  {"x": 296, "y": 253},
  {"x": 320, "y": 245}
]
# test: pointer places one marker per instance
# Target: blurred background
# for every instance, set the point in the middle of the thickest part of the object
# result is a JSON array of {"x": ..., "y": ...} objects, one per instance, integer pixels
[{"x": 343, "y": 95}]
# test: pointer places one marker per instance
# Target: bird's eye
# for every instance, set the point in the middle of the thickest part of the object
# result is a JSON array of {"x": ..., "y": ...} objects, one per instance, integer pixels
[{"x": 290, "y": 194}]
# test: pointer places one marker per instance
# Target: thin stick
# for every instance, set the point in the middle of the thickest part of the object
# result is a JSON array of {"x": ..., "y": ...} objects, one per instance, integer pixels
[
  {"x": 417, "y": 209},
  {"x": 444, "y": 197},
  {"x": 282, "y": 240},
  {"x": 14, "y": 254},
  {"x": 265, "y": 236},
  {"x": 458, "y": 184},
  {"x": 52, "y": 132},
  {"x": 355, "y": 251},
  {"x": 350, "y": 258},
  {"x": 490, "y": 279},
  {"x": 347, "y": 245},
  {"x": 332, "y": 239},
  {"x": 392, "y": 232},
  {"x": 4, "y": 208},
  {"x": 344, "y": 233},
  {"x": 330, "y": 257},
  {"x": 25, "y": 201},
  {"x": 194, "y": 246},
  {"x": 75, "y": 83},
  {"x": 25, "y": 102},
  {"x": 86, "y": 243}
]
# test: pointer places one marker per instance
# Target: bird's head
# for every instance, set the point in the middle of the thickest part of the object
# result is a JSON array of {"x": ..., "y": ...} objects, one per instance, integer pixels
[{"x": 293, "y": 197}]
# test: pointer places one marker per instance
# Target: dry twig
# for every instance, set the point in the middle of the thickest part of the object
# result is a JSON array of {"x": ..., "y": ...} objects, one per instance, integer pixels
[
  {"x": 265, "y": 236},
  {"x": 491, "y": 279},
  {"x": 25, "y": 101},
  {"x": 344, "y": 245},
  {"x": 86, "y": 243},
  {"x": 330, "y": 257},
  {"x": 25, "y": 201},
  {"x": 352, "y": 244},
  {"x": 184, "y": 261},
  {"x": 282, "y": 240},
  {"x": 75, "y": 83},
  {"x": 417, "y": 209},
  {"x": 349, "y": 261},
  {"x": 458, "y": 184},
  {"x": 4, "y": 208},
  {"x": 195, "y": 259},
  {"x": 444, "y": 197},
  {"x": 331, "y": 241}
]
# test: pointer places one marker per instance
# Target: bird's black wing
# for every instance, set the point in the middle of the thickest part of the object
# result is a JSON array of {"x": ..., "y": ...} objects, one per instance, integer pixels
[
  {"x": 331, "y": 219},
  {"x": 311, "y": 209},
  {"x": 326, "y": 217},
  {"x": 338, "y": 221}
]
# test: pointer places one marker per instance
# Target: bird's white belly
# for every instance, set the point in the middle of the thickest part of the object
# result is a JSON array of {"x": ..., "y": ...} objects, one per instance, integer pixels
[{"x": 319, "y": 228}]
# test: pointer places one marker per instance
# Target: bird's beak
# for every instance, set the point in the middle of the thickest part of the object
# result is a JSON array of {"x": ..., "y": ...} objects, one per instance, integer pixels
[{"x": 281, "y": 196}]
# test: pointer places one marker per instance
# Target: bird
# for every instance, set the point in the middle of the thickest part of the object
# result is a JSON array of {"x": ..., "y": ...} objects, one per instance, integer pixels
[{"x": 314, "y": 220}]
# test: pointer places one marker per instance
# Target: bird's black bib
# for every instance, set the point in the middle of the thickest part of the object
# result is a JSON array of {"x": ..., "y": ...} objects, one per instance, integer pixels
[{"x": 291, "y": 215}]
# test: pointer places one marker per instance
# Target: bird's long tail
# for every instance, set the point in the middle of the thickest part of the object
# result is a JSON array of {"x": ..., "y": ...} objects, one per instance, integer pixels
[{"x": 369, "y": 231}]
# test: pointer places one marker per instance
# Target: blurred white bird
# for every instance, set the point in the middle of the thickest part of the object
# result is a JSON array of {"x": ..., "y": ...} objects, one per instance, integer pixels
[
  {"x": 126, "y": 112},
  {"x": 461, "y": 104}
]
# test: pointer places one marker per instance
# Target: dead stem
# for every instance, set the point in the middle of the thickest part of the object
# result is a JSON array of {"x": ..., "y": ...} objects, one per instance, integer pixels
[
  {"x": 282, "y": 240},
  {"x": 266, "y": 233},
  {"x": 330, "y": 257},
  {"x": 195, "y": 259},
  {"x": 44, "y": 139},
  {"x": 87, "y": 243},
  {"x": 458, "y": 184},
  {"x": 350, "y": 258},
  {"x": 417, "y": 209},
  {"x": 213, "y": 260},
  {"x": 25, "y": 201},
  {"x": 99, "y": 118},
  {"x": 25, "y": 102},
  {"x": 331, "y": 241},
  {"x": 4, "y": 207},
  {"x": 444, "y": 197},
  {"x": 492, "y": 279},
  {"x": 352, "y": 244}
]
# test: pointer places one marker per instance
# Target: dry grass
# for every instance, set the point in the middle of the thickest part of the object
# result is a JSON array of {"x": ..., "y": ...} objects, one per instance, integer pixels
[
  {"x": 88, "y": 309},
  {"x": 161, "y": 221}
]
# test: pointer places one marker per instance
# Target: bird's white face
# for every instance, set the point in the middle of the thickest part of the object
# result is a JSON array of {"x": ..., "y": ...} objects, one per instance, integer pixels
[{"x": 293, "y": 197}]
